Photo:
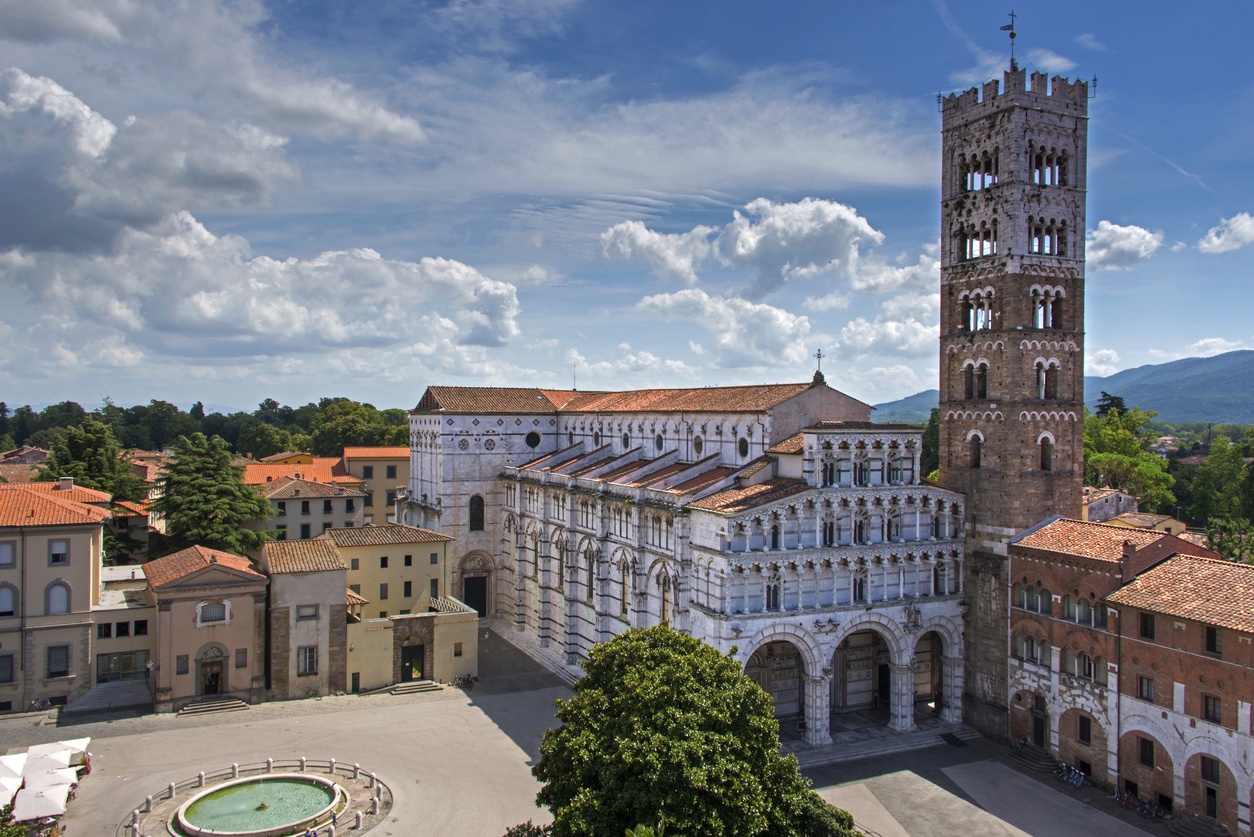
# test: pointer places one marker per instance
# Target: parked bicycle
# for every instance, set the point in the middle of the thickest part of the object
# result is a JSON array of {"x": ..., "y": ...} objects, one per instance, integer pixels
[{"x": 464, "y": 681}]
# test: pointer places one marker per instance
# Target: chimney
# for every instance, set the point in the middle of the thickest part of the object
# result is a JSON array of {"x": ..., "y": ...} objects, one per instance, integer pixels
[
  {"x": 1125, "y": 562},
  {"x": 66, "y": 484}
]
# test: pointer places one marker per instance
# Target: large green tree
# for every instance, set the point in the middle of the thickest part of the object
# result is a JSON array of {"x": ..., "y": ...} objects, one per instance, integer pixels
[
  {"x": 203, "y": 499},
  {"x": 1216, "y": 487},
  {"x": 1116, "y": 455},
  {"x": 666, "y": 731},
  {"x": 91, "y": 455}
]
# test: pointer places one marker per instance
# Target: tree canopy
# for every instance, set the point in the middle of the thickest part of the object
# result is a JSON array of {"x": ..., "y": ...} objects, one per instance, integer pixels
[
  {"x": 203, "y": 499},
  {"x": 1116, "y": 455},
  {"x": 91, "y": 455},
  {"x": 665, "y": 731}
]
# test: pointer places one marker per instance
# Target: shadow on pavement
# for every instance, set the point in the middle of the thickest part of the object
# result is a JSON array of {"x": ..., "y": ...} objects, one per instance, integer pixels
[{"x": 515, "y": 692}]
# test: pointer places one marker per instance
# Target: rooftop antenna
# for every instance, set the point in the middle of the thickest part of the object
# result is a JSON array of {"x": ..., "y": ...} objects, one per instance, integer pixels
[
  {"x": 574, "y": 378},
  {"x": 1010, "y": 27}
]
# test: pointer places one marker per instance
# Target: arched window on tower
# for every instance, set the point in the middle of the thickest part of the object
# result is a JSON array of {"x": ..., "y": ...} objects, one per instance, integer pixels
[
  {"x": 981, "y": 381},
  {"x": 1046, "y": 445},
  {"x": 975, "y": 446},
  {"x": 476, "y": 513},
  {"x": 1047, "y": 379}
]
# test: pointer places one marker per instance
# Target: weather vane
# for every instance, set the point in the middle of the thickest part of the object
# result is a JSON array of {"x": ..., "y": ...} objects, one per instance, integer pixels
[
  {"x": 1010, "y": 27},
  {"x": 818, "y": 355}
]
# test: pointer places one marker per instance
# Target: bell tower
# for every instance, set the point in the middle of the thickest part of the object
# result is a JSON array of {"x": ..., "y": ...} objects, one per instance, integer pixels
[{"x": 1013, "y": 183}]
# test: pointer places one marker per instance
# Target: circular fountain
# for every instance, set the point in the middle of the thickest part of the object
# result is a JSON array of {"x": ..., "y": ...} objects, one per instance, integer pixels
[{"x": 262, "y": 806}]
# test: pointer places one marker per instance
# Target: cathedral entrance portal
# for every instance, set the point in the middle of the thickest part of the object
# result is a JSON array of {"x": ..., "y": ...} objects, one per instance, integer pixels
[
  {"x": 778, "y": 669},
  {"x": 862, "y": 676}
]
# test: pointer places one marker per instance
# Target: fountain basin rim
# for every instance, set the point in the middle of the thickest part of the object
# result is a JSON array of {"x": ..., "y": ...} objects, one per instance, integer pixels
[{"x": 337, "y": 791}]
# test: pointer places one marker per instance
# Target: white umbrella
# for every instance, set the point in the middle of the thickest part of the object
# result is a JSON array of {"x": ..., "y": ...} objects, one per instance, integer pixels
[
  {"x": 12, "y": 766},
  {"x": 8, "y": 787},
  {"x": 75, "y": 746},
  {"x": 60, "y": 776},
  {"x": 40, "y": 802},
  {"x": 44, "y": 762}
]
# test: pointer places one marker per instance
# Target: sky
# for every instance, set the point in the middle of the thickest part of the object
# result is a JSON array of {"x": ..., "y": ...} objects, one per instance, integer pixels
[{"x": 232, "y": 201}]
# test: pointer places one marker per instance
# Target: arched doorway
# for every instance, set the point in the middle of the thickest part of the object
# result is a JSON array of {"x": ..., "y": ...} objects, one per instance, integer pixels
[
  {"x": 474, "y": 583},
  {"x": 211, "y": 671},
  {"x": 1211, "y": 789},
  {"x": 1147, "y": 768},
  {"x": 778, "y": 668},
  {"x": 862, "y": 676},
  {"x": 1082, "y": 743},
  {"x": 1029, "y": 719}
]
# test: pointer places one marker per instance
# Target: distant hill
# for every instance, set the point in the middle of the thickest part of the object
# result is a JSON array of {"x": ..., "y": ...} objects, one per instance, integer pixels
[
  {"x": 915, "y": 407},
  {"x": 1218, "y": 389}
]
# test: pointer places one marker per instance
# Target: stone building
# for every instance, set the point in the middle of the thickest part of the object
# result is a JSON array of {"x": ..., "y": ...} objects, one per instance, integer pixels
[
  {"x": 774, "y": 519},
  {"x": 308, "y": 617},
  {"x": 1012, "y": 336},
  {"x": 1131, "y": 660}
]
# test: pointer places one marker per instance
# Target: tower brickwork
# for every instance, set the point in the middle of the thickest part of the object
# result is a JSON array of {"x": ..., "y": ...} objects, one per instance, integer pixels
[{"x": 1013, "y": 189}]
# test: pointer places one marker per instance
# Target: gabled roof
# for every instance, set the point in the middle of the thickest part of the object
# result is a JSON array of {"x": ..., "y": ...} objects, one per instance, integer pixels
[
  {"x": 279, "y": 457},
  {"x": 373, "y": 534},
  {"x": 526, "y": 400},
  {"x": 165, "y": 571},
  {"x": 793, "y": 444},
  {"x": 381, "y": 452},
  {"x": 351, "y": 598},
  {"x": 1206, "y": 590},
  {"x": 1098, "y": 541},
  {"x": 735, "y": 500},
  {"x": 304, "y": 556},
  {"x": 287, "y": 488},
  {"x": 15, "y": 472},
  {"x": 75, "y": 493},
  {"x": 1141, "y": 520},
  {"x": 131, "y": 508},
  {"x": 22, "y": 506},
  {"x": 322, "y": 469},
  {"x": 23, "y": 453}
]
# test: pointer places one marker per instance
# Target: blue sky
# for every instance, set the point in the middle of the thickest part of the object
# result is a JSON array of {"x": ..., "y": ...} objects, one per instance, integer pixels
[{"x": 232, "y": 201}]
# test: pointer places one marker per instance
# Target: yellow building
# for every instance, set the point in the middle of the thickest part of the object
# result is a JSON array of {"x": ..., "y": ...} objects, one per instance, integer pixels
[
  {"x": 383, "y": 470},
  {"x": 398, "y": 569},
  {"x": 51, "y": 548}
]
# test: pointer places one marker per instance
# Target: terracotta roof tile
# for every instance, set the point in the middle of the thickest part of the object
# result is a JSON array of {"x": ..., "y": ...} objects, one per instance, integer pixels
[
  {"x": 17, "y": 472},
  {"x": 322, "y": 469},
  {"x": 741, "y": 499},
  {"x": 173, "y": 567},
  {"x": 395, "y": 452},
  {"x": 1098, "y": 541},
  {"x": 76, "y": 494},
  {"x": 279, "y": 457},
  {"x": 351, "y": 598},
  {"x": 386, "y": 533},
  {"x": 132, "y": 508},
  {"x": 1202, "y": 589},
  {"x": 305, "y": 556},
  {"x": 793, "y": 444},
  {"x": 286, "y": 488},
  {"x": 1142, "y": 520},
  {"x": 526, "y": 400},
  {"x": 21, "y": 506},
  {"x": 702, "y": 480}
]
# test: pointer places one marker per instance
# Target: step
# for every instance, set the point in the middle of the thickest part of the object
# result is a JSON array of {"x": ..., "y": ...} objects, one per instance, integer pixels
[
  {"x": 416, "y": 686},
  {"x": 1034, "y": 758},
  {"x": 104, "y": 697},
  {"x": 1197, "y": 827},
  {"x": 208, "y": 707}
]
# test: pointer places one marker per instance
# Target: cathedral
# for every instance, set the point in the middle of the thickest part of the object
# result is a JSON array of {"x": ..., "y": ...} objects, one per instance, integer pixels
[{"x": 778, "y": 522}]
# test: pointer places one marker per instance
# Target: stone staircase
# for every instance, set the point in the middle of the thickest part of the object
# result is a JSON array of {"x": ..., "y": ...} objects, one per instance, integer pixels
[
  {"x": 214, "y": 706},
  {"x": 1033, "y": 758},
  {"x": 882, "y": 741},
  {"x": 107, "y": 697},
  {"x": 415, "y": 686},
  {"x": 1197, "y": 827}
]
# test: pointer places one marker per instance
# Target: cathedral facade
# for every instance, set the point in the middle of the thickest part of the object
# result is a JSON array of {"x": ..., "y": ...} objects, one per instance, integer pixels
[{"x": 776, "y": 523}]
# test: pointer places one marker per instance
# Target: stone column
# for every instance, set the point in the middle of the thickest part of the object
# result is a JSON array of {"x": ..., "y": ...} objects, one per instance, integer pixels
[
  {"x": 952, "y": 673},
  {"x": 818, "y": 708},
  {"x": 902, "y": 692}
]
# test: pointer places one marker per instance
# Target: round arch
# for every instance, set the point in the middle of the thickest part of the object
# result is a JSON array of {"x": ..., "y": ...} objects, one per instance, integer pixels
[
  {"x": 212, "y": 671},
  {"x": 780, "y": 665},
  {"x": 473, "y": 582}
]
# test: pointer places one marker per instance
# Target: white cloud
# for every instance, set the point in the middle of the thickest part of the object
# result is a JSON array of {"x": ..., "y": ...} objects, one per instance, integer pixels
[
  {"x": 782, "y": 242},
  {"x": 907, "y": 337},
  {"x": 1050, "y": 61},
  {"x": 178, "y": 289},
  {"x": 643, "y": 366},
  {"x": 672, "y": 255},
  {"x": 20, "y": 93},
  {"x": 1115, "y": 247},
  {"x": 1231, "y": 234},
  {"x": 743, "y": 333},
  {"x": 1206, "y": 347},
  {"x": 835, "y": 301},
  {"x": 1102, "y": 362},
  {"x": 1089, "y": 41},
  {"x": 878, "y": 276},
  {"x": 877, "y": 384}
]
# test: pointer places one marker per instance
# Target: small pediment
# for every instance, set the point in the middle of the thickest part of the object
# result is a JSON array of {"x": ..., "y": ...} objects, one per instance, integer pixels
[{"x": 214, "y": 576}]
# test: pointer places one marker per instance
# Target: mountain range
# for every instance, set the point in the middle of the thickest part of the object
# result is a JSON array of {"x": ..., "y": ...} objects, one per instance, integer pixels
[{"x": 1217, "y": 389}]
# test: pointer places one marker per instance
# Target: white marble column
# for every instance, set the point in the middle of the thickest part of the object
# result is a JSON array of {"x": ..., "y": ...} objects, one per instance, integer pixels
[
  {"x": 818, "y": 691},
  {"x": 952, "y": 672},
  {"x": 902, "y": 702}
]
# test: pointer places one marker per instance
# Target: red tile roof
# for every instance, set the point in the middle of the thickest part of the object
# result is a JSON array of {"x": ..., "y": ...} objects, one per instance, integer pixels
[
  {"x": 373, "y": 534},
  {"x": 279, "y": 457},
  {"x": 77, "y": 493},
  {"x": 352, "y": 598},
  {"x": 287, "y": 488},
  {"x": 395, "y": 452},
  {"x": 305, "y": 556},
  {"x": 793, "y": 444},
  {"x": 171, "y": 568},
  {"x": 15, "y": 472},
  {"x": 322, "y": 469},
  {"x": 741, "y": 499},
  {"x": 526, "y": 400},
  {"x": 21, "y": 506},
  {"x": 1206, "y": 590},
  {"x": 131, "y": 508},
  {"x": 1141, "y": 520},
  {"x": 1098, "y": 541}
]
